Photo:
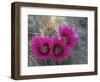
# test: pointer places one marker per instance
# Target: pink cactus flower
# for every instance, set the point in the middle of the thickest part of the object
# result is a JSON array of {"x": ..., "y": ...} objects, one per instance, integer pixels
[
  {"x": 59, "y": 50},
  {"x": 41, "y": 47},
  {"x": 69, "y": 35}
]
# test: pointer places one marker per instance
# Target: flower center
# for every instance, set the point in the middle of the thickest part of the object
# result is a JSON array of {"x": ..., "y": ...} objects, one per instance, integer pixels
[
  {"x": 66, "y": 39},
  {"x": 57, "y": 50},
  {"x": 44, "y": 49}
]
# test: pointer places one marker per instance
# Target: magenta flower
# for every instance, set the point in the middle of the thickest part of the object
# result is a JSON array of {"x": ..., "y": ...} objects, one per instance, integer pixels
[
  {"x": 41, "y": 47},
  {"x": 68, "y": 35},
  {"x": 59, "y": 50}
]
